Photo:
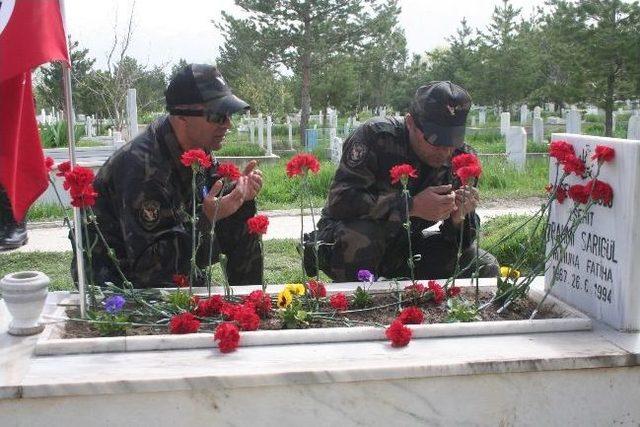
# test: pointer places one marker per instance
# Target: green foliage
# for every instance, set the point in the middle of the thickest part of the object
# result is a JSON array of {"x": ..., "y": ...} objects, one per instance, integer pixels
[
  {"x": 54, "y": 135},
  {"x": 293, "y": 316},
  {"x": 361, "y": 298},
  {"x": 520, "y": 246},
  {"x": 108, "y": 324},
  {"x": 236, "y": 149},
  {"x": 179, "y": 299},
  {"x": 461, "y": 310},
  {"x": 501, "y": 179}
]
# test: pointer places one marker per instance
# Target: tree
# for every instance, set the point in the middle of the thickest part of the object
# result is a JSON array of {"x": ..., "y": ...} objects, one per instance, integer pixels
[
  {"x": 300, "y": 35},
  {"x": 49, "y": 87},
  {"x": 600, "y": 37}
]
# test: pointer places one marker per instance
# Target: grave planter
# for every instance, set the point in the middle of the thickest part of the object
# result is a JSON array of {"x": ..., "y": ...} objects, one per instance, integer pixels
[{"x": 24, "y": 294}]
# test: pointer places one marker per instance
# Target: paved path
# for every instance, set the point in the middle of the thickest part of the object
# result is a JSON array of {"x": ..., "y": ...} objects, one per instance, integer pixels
[{"x": 282, "y": 225}]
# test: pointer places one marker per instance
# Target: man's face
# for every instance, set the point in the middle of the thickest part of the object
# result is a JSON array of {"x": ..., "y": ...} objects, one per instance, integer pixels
[
  {"x": 432, "y": 155},
  {"x": 200, "y": 133}
]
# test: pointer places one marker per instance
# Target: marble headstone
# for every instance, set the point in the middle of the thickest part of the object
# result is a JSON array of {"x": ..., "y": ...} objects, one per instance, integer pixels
[
  {"x": 132, "y": 113},
  {"x": 269, "y": 151},
  {"x": 473, "y": 121},
  {"x": 537, "y": 112},
  {"x": 482, "y": 117},
  {"x": 505, "y": 123},
  {"x": 524, "y": 115},
  {"x": 633, "y": 131},
  {"x": 517, "y": 146},
  {"x": 613, "y": 122},
  {"x": 574, "y": 122},
  {"x": 260, "y": 131},
  {"x": 598, "y": 273},
  {"x": 538, "y": 130}
]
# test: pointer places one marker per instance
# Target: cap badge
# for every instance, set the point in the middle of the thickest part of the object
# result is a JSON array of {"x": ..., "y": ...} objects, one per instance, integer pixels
[{"x": 452, "y": 110}]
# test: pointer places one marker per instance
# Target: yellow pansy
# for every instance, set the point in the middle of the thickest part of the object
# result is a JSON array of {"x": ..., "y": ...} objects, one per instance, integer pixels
[
  {"x": 284, "y": 298},
  {"x": 295, "y": 288},
  {"x": 509, "y": 272}
]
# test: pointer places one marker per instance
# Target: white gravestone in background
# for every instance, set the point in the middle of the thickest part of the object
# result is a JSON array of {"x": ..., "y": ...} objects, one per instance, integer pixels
[
  {"x": 260, "y": 131},
  {"x": 482, "y": 117},
  {"x": 473, "y": 121},
  {"x": 574, "y": 122},
  {"x": 517, "y": 146},
  {"x": 132, "y": 113},
  {"x": 633, "y": 131},
  {"x": 505, "y": 123},
  {"x": 269, "y": 141},
  {"x": 290, "y": 129},
  {"x": 538, "y": 130},
  {"x": 524, "y": 115},
  {"x": 599, "y": 272},
  {"x": 613, "y": 122},
  {"x": 537, "y": 112}
]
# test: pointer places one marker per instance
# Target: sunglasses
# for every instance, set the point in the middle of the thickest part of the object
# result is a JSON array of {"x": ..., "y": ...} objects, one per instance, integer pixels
[{"x": 210, "y": 116}]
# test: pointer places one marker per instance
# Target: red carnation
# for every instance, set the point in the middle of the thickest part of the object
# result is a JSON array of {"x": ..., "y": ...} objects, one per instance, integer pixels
[
  {"x": 301, "y": 163},
  {"x": 79, "y": 182},
  {"x": 411, "y": 315},
  {"x": 399, "y": 334},
  {"x": 453, "y": 291},
  {"x": 339, "y": 302},
  {"x": 438, "y": 292},
  {"x": 228, "y": 310},
  {"x": 228, "y": 335},
  {"x": 196, "y": 157},
  {"x": 63, "y": 168},
  {"x": 209, "y": 307},
  {"x": 572, "y": 164},
  {"x": 180, "y": 280},
  {"x": 316, "y": 289},
  {"x": 261, "y": 301},
  {"x": 185, "y": 323},
  {"x": 579, "y": 193},
  {"x": 561, "y": 194},
  {"x": 48, "y": 163},
  {"x": 229, "y": 171},
  {"x": 258, "y": 224},
  {"x": 414, "y": 291},
  {"x": 246, "y": 317},
  {"x": 561, "y": 150},
  {"x": 599, "y": 191},
  {"x": 603, "y": 154},
  {"x": 466, "y": 166},
  {"x": 402, "y": 173}
]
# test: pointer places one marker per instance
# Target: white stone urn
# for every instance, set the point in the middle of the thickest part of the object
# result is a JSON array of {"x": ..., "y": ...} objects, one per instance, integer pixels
[{"x": 24, "y": 294}]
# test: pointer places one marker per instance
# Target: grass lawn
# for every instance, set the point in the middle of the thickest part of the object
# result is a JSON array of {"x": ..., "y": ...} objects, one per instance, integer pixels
[{"x": 282, "y": 263}]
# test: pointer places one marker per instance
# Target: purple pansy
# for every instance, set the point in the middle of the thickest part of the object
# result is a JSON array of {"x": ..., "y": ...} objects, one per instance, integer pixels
[
  {"x": 366, "y": 276},
  {"x": 114, "y": 304}
]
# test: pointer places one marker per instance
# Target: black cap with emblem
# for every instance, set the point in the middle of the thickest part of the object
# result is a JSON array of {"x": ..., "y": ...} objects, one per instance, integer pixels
[
  {"x": 203, "y": 84},
  {"x": 440, "y": 110}
]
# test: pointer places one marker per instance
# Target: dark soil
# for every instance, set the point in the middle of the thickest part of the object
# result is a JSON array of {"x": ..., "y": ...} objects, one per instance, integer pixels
[{"x": 372, "y": 315}]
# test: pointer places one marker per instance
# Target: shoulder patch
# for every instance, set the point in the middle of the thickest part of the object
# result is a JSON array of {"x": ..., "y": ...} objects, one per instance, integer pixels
[
  {"x": 357, "y": 154},
  {"x": 150, "y": 214}
]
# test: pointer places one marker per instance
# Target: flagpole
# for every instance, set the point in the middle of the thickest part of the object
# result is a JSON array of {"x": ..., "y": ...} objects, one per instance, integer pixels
[{"x": 77, "y": 217}]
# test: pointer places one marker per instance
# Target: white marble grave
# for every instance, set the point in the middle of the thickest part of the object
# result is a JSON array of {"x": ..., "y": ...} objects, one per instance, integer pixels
[
  {"x": 524, "y": 115},
  {"x": 505, "y": 122},
  {"x": 538, "y": 130},
  {"x": 482, "y": 117},
  {"x": 517, "y": 146},
  {"x": 132, "y": 114},
  {"x": 574, "y": 121},
  {"x": 537, "y": 112},
  {"x": 633, "y": 130},
  {"x": 598, "y": 274}
]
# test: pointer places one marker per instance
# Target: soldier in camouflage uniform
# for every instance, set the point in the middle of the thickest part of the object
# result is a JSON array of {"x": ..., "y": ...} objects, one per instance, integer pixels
[
  {"x": 364, "y": 213},
  {"x": 145, "y": 193}
]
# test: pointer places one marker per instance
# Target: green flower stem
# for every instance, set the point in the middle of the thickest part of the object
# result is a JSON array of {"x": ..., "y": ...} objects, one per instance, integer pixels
[
  {"x": 315, "y": 234},
  {"x": 457, "y": 269},
  {"x": 407, "y": 226},
  {"x": 193, "y": 229},
  {"x": 66, "y": 219},
  {"x": 212, "y": 235},
  {"x": 302, "y": 188}
]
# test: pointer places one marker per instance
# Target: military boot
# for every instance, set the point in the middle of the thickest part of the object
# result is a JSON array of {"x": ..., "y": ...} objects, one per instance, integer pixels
[{"x": 15, "y": 235}]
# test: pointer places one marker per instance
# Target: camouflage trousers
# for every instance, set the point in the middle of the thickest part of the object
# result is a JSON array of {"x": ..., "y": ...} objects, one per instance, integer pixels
[
  {"x": 382, "y": 248},
  {"x": 172, "y": 255}
]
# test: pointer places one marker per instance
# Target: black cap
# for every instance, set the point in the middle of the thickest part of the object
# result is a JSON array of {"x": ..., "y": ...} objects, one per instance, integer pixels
[
  {"x": 203, "y": 84},
  {"x": 440, "y": 110}
]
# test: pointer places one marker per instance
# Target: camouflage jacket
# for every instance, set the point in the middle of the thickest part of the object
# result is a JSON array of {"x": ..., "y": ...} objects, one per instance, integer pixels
[
  {"x": 362, "y": 189},
  {"x": 143, "y": 208}
]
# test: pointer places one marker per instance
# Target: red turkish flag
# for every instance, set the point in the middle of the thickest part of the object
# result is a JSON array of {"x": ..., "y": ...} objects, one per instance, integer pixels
[{"x": 31, "y": 33}]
